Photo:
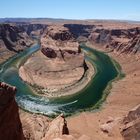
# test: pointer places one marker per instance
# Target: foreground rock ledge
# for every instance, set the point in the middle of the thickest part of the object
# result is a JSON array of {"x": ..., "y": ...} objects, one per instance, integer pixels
[
  {"x": 10, "y": 124},
  {"x": 36, "y": 127}
]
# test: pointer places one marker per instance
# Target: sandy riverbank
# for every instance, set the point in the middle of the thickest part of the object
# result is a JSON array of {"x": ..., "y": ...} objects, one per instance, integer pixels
[{"x": 123, "y": 97}]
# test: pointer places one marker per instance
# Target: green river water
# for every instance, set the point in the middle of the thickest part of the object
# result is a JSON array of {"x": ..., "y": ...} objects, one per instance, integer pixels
[{"x": 87, "y": 99}]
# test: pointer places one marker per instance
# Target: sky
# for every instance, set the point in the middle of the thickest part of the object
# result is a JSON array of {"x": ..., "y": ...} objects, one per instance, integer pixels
[{"x": 71, "y": 9}]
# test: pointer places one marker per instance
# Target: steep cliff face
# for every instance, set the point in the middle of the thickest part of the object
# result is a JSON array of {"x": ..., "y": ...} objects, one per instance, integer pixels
[
  {"x": 10, "y": 125},
  {"x": 12, "y": 41},
  {"x": 120, "y": 40}
]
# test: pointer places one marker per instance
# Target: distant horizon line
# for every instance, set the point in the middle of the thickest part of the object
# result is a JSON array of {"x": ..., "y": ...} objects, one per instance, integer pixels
[{"x": 90, "y": 19}]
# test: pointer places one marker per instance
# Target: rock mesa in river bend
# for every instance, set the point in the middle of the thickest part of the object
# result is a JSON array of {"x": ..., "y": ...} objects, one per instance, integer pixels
[{"x": 59, "y": 63}]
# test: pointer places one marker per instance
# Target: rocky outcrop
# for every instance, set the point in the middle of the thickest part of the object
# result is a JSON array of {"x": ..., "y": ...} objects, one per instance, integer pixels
[
  {"x": 131, "y": 125},
  {"x": 119, "y": 40},
  {"x": 57, "y": 128},
  {"x": 10, "y": 125},
  {"x": 12, "y": 41}
]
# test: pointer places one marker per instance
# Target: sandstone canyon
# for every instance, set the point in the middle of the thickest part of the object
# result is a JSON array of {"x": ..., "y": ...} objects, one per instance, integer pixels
[{"x": 59, "y": 64}]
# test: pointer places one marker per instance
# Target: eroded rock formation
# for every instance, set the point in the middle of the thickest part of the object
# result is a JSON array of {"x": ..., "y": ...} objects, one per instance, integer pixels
[{"x": 10, "y": 124}]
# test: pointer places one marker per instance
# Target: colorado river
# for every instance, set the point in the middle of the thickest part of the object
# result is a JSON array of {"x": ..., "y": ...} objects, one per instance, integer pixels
[{"x": 87, "y": 99}]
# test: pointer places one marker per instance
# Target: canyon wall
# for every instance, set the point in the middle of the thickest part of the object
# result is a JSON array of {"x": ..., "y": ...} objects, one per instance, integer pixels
[
  {"x": 12, "y": 41},
  {"x": 126, "y": 41},
  {"x": 114, "y": 36}
]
